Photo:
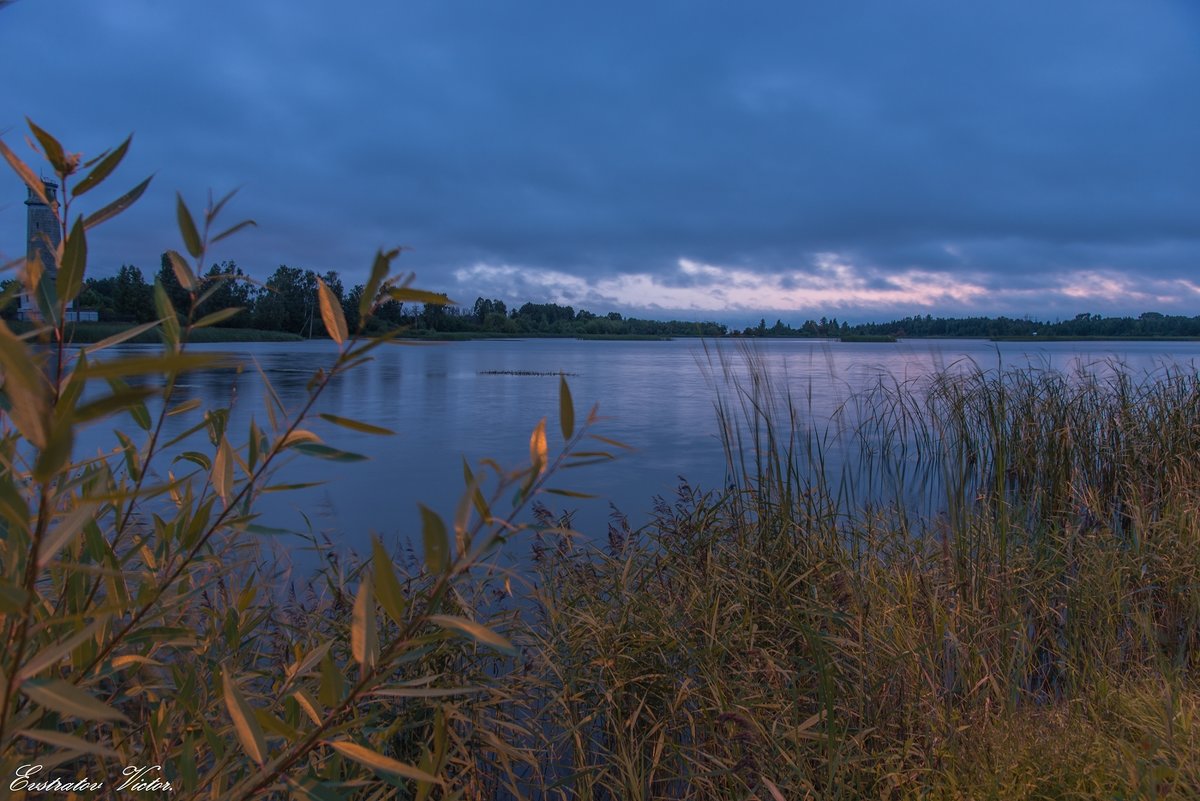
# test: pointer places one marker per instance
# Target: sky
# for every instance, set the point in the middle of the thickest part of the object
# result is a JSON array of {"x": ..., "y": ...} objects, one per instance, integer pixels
[{"x": 703, "y": 160}]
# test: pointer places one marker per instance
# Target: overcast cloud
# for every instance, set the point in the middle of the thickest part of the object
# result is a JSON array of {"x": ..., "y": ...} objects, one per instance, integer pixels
[{"x": 716, "y": 160}]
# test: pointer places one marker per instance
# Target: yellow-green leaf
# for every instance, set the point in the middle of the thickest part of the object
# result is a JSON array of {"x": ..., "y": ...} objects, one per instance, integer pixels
[
  {"x": 57, "y": 451},
  {"x": 426, "y": 692},
  {"x": 117, "y": 206},
  {"x": 276, "y": 726},
  {"x": 27, "y": 175},
  {"x": 179, "y": 266},
  {"x": 332, "y": 686},
  {"x": 25, "y": 387},
  {"x": 63, "y": 164},
  {"x": 119, "y": 337},
  {"x": 437, "y": 545},
  {"x": 113, "y": 402},
  {"x": 406, "y": 295},
  {"x": 67, "y": 529},
  {"x": 297, "y": 436},
  {"x": 74, "y": 261},
  {"x": 364, "y": 637},
  {"x": 302, "y": 666},
  {"x": 357, "y": 425},
  {"x": 566, "y": 493},
  {"x": 379, "y": 271},
  {"x": 613, "y": 442},
  {"x": 331, "y": 313},
  {"x": 103, "y": 169},
  {"x": 538, "y": 454},
  {"x": 67, "y": 699},
  {"x": 326, "y": 452},
  {"x": 125, "y": 660},
  {"x": 214, "y": 209},
  {"x": 187, "y": 229},
  {"x": 228, "y": 232},
  {"x": 481, "y": 504},
  {"x": 387, "y": 585},
  {"x": 566, "y": 408},
  {"x": 378, "y": 762},
  {"x": 222, "y": 471},
  {"x": 186, "y": 406},
  {"x": 52, "y": 654},
  {"x": 308, "y": 704},
  {"x": 475, "y": 631},
  {"x": 217, "y": 317},
  {"x": 249, "y": 732}
]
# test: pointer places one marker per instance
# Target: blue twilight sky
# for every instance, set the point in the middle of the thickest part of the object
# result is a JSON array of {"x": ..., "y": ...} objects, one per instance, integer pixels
[{"x": 702, "y": 159}]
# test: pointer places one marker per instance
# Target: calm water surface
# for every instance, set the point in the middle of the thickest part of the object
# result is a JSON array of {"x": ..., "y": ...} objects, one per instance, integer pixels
[{"x": 656, "y": 396}]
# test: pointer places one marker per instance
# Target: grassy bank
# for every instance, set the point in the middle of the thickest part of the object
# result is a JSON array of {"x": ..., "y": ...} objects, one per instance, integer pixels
[
  {"x": 87, "y": 333},
  {"x": 1056, "y": 338},
  {"x": 989, "y": 588},
  {"x": 463, "y": 336},
  {"x": 868, "y": 338}
]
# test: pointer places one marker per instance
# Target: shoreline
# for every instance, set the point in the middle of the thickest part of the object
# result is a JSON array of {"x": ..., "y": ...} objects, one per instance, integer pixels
[{"x": 87, "y": 333}]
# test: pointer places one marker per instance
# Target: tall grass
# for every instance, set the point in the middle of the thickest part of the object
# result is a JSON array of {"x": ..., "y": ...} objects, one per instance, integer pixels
[{"x": 980, "y": 584}]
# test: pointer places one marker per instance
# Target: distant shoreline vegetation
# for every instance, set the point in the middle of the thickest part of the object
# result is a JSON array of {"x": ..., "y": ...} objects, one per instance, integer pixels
[
  {"x": 88, "y": 333},
  {"x": 1147, "y": 326},
  {"x": 868, "y": 338},
  {"x": 285, "y": 308}
]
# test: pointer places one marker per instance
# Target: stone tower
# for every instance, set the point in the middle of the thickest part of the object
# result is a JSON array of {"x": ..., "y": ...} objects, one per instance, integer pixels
[{"x": 43, "y": 234}]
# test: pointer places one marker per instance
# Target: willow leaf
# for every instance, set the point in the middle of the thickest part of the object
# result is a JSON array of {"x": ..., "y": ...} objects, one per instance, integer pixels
[
  {"x": 245, "y": 723},
  {"x": 380, "y": 763}
]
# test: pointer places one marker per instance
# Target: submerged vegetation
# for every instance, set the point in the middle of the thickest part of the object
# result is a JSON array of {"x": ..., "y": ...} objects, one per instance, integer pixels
[{"x": 978, "y": 585}]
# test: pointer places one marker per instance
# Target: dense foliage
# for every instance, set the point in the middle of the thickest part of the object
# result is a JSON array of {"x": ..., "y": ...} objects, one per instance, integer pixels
[{"x": 288, "y": 302}]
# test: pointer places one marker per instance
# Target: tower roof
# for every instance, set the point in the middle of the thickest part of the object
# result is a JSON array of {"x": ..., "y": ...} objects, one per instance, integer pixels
[{"x": 51, "y": 189}]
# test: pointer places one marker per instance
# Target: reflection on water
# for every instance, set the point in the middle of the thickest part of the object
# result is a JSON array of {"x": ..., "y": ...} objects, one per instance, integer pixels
[{"x": 446, "y": 401}]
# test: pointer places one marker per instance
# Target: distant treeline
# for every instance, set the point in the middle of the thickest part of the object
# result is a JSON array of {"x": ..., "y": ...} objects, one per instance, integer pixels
[
  {"x": 1148, "y": 324},
  {"x": 287, "y": 302}
]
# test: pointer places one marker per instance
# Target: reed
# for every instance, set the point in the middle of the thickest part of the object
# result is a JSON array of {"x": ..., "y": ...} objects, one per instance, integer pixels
[{"x": 980, "y": 584}]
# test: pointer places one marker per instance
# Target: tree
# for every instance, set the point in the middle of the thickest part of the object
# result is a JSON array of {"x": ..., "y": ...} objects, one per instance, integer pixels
[
  {"x": 133, "y": 298},
  {"x": 288, "y": 302},
  {"x": 179, "y": 297},
  {"x": 230, "y": 289},
  {"x": 350, "y": 307}
]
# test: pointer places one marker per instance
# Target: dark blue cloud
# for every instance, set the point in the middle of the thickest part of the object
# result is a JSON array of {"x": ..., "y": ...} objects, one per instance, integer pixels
[{"x": 1011, "y": 146}]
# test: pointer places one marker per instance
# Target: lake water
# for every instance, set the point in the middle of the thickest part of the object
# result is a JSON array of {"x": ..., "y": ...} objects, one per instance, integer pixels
[{"x": 454, "y": 400}]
